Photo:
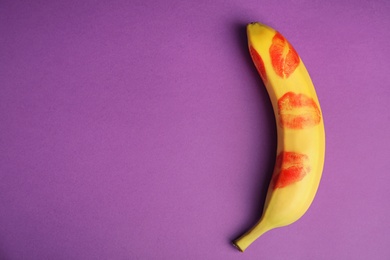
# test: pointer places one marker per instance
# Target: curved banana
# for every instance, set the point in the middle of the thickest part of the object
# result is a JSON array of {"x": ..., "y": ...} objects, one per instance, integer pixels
[{"x": 300, "y": 131}]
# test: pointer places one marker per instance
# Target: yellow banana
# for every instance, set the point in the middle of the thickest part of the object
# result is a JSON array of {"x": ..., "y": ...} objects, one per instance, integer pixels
[{"x": 300, "y": 131}]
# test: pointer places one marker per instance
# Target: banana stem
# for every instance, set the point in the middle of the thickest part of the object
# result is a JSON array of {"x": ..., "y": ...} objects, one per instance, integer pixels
[{"x": 250, "y": 236}]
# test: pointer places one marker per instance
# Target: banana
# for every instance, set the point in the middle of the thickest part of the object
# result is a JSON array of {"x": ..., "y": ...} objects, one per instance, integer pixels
[{"x": 300, "y": 131}]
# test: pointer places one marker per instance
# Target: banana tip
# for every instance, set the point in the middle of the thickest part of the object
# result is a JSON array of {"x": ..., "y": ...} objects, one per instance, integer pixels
[{"x": 237, "y": 246}]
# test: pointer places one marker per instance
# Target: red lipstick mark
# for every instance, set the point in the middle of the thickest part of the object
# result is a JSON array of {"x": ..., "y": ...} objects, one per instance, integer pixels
[
  {"x": 284, "y": 58},
  {"x": 290, "y": 167},
  {"x": 298, "y": 111},
  {"x": 258, "y": 61}
]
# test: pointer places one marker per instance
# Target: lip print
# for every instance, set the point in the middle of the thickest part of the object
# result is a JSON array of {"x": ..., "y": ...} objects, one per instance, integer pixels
[
  {"x": 284, "y": 58},
  {"x": 290, "y": 168},
  {"x": 259, "y": 64},
  {"x": 298, "y": 111}
]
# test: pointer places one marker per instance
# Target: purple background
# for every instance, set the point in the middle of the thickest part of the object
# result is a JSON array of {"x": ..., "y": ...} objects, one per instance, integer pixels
[{"x": 141, "y": 130}]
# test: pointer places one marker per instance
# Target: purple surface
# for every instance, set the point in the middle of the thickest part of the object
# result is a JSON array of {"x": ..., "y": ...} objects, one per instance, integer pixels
[{"x": 141, "y": 130}]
